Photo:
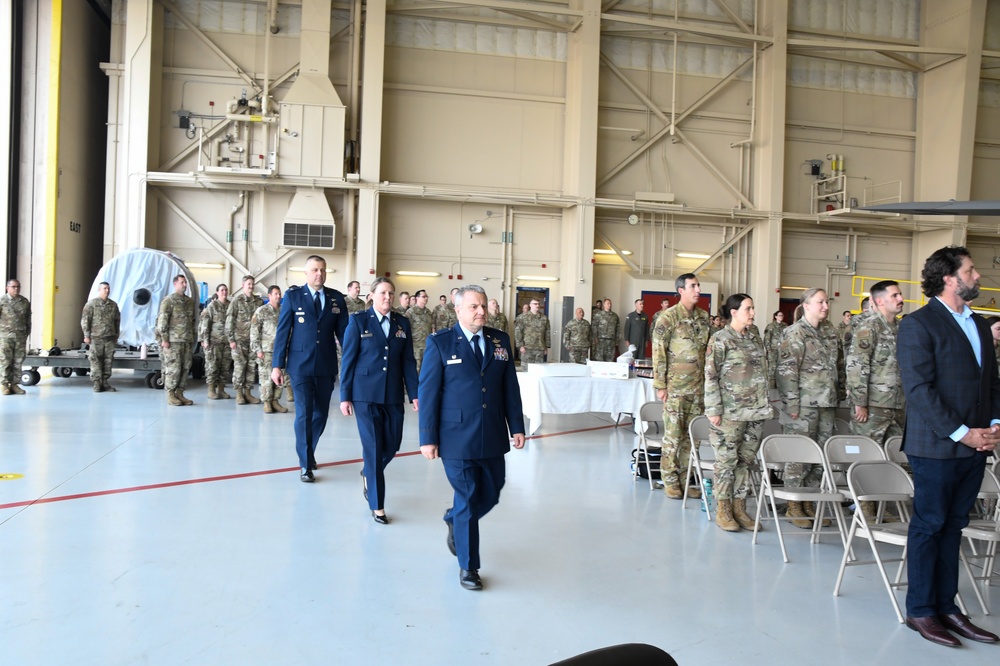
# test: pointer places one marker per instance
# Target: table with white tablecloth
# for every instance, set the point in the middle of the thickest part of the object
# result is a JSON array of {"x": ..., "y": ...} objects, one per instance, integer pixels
[{"x": 578, "y": 395}]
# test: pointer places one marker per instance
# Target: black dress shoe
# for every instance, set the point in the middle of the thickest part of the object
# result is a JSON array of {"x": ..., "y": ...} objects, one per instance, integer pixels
[
  {"x": 306, "y": 476},
  {"x": 451, "y": 538},
  {"x": 364, "y": 485},
  {"x": 381, "y": 520},
  {"x": 960, "y": 625},
  {"x": 313, "y": 466},
  {"x": 932, "y": 629},
  {"x": 470, "y": 579}
]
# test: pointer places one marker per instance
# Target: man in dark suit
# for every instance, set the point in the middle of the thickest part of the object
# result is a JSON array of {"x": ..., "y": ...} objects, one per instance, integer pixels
[
  {"x": 305, "y": 347},
  {"x": 470, "y": 400},
  {"x": 377, "y": 362},
  {"x": 949, "y": 373}
]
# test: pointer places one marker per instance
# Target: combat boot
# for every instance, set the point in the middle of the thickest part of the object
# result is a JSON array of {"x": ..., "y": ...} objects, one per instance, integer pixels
[
  {"x": 109, "y": 388},
  {"x": 221, "y": 391},
  {"x": 15, "y": 389},
  {"x": 268, "y": 407},
  {"x": 673, "y": 490},
  {"x": 6, "y": 390},
  {"x": 810, "y": 510},
  {"x": 724, "y": 516},
  {"x": 800, "y": 518},
  {"x": 278, "y": 407},
  {"x": 173, "y": 400},
  {"x": 212, "y": 394},
  {"x": 251, "y": 398},
  {"x": 291, "y": 396},
  {"x": 241, "y": 397},
  {"x": 98, "y": 388},
  {"x": 741, "y": 516},
  {"x": 694, "y": 492},
  {"x": 180, "y": 396},
  {"x": 870, "y": 511}
]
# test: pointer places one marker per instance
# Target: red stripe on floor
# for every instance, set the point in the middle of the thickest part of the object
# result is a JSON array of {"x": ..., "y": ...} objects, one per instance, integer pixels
[{"x": 228, "y": 477}]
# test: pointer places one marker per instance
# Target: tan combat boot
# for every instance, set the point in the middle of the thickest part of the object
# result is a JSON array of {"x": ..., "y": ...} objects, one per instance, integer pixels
[
  {"x": 278, "y": 407},
  {"x": 251, "y": 398},
  {"x": 810, "y": 510},
  {"x": 183, "y": 398},
  {"x": 870, "y": 511},
  {"x": 212, "y": 391},
  {"x": 98, "y": 388},
  {"x": 15, "y": 389},
  {"x": 724, "y": 516},
  {"x": 241, "y": 397},
  {"x": 268, "y": 407},
  {"x": 173, "y": 400},
  {"x": 694, "y": 492},
  {"x": 741, "y": 516},
  {"x": 800, "y": 518},
  {"x": 291, "y": 396},
  {"x": 673, "y": 490},
  {"x": 109, "y": 388},
  {"x": 220, "y": 390},
  {"x": 6, "y": 390}
]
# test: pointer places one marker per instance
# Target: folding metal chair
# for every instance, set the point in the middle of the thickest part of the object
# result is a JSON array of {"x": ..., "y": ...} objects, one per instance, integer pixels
[
  {"x": 782, "y": 449},
  {"x": 701, "y": 460},
  {"x": 650, "y": 418},
  {"x": 841, "y": 451},
  {"x": 878, "y": 481},
  {"x": 894, "y": 452},
  {"x": 985, "y": 529},
  {"x": 841, "y": 427}
]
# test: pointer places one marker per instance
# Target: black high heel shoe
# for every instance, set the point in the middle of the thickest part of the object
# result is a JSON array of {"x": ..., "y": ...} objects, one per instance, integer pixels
[{"x": 381, "y": 520}]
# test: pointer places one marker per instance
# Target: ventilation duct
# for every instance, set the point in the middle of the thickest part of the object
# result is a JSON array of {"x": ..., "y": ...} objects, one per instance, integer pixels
[{"x": 309, "y": 222}]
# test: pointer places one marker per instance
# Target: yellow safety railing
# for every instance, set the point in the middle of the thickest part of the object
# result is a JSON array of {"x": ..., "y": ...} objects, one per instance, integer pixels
[{"x": 860, "y": 282}]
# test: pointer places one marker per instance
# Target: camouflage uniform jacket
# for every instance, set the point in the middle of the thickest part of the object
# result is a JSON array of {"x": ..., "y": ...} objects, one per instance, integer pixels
[
  {"x": 810, "y": 370},
  {"x": 873, "y": 378},
  {"x": 400, "y": 310},
  {"x": 355, "y": 304},
  {"x": 533, "y": 332},
  {"x": 263, "y": 326},
  {"x": 421, "y": 324},
  {"x": 576, "y": 334},
  {"x": 498, "y": 321},
  {"x": 679, "y": 343},
  {"x": 606, "y": 326},
  {"x": 101, "y": 319},
  {"x": 444, "y": 317},
  {"x": 15, "y": 317},
  {"x": 736, "y": 377},
  {"x": 241, "y": 309},
  {"x": 175, "y": 322},
  {"x": 212, "y": 323},
  {"x": 844, "y": 332},
  {"x": 772, "y": 335}
]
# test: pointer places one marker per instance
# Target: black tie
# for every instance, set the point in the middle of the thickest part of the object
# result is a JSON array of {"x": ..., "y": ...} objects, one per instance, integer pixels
[
  {"x": 477, "y": 350},
  {"x": 317, "y": 307}
]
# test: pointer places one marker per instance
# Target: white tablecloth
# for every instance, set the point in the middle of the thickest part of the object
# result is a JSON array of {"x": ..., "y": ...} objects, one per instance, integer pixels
[{"x": 577, "y": 395}]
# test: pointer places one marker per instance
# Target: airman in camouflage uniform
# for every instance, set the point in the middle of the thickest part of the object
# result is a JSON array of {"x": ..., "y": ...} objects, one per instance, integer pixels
[
  {"x": 404, "y": 304},
  {"x": 811, "y": 382},
  {"x": 175, "y": 333},
  {"x": 606, "y": 330},
  {"x": 844, "y": 331},
  {"x": 421, "y": 325},
  {"x": 772, "y": 338},
  {"x": 495, "y": 318},
  {"x": 101, "y": 324},
  {"x": 679, "y": 343},
  {"x": 15, "y": 327},
  {"x": 444, "y": 313},
  {"x": 532, "y": 336},
  {"x": 576, "y": 338},
  {"x": 354, "y": 302},
  {"x": 215, "y": 344},
  {"x": 241, "y": 309},
  {"x": 737, "y": 405},
  {"x": 263, "y": 325}
]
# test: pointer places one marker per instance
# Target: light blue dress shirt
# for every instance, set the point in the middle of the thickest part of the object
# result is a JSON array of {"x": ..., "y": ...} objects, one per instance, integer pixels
[
  {"x": 468, "y": 336},
  {"x": 322, "y": 297}
]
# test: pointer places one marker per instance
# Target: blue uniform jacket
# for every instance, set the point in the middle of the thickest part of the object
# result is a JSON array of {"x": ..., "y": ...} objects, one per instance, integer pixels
[
  {"x": 303, "y": 346},
  {"x": 375, "y": 369},
  {"x": 945, "y": 387},
  {"x": 469, "y": 411}
]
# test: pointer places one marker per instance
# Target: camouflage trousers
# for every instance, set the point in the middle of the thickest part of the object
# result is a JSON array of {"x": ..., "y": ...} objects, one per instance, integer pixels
[
  {"x": 101, "y": 354},
  {"x": 772, "y": 367},
  {"x": 532, "y": 356},
  {"x": 12, "y": 358},
  {"x": 882, "y": 424},
  {"x": 217, "y": 361},
  {"x": 578, "y": 355},
  {"x": 677, "y": 414},
  {"x": 244, "y": 365},
  {"x": 605, "y": 350},
  {"x": 817, "y": 424},
  {"x": 418, "y": 354},
  {"x": 176, "y": 365},
  {"x": 735, "y": 444},
  {"x": 268, "y": 390}
]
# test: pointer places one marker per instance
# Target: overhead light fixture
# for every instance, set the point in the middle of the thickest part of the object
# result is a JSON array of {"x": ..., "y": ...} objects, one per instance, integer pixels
[
  {"x": 693, "y": 255},
  {"x": 790, "y": 288},
  {"x": 299, "y": 269},
  {"x": 537, "y": 278},
  {"x": 603, "y": 251},
  {"x": 192, "y": 264},
  {"x": 419, "y": 273}
]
